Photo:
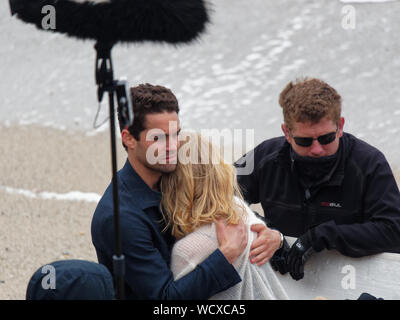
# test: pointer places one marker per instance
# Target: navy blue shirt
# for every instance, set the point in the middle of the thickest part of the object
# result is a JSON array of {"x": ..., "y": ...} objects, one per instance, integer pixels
[{"x": 147, "y": 249}]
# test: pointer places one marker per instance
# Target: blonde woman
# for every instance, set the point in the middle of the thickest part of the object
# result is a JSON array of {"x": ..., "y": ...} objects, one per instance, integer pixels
[{"x": 198, "y": 195}]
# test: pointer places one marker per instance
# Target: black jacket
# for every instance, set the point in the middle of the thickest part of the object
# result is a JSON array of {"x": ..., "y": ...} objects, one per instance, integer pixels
[{"x": 356, "y": 210}]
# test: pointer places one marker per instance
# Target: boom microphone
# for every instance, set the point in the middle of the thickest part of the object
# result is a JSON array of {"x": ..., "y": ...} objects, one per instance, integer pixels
[{"x": 111, "y": 21}]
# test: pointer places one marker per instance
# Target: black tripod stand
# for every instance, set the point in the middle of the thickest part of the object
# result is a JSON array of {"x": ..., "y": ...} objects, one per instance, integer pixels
[{"x": 115, "y": 88}]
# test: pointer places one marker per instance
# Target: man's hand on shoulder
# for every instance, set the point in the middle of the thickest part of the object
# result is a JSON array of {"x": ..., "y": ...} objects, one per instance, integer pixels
[
  {"x": 232, "y": 239},
  {"x": 264, "y": 247}
]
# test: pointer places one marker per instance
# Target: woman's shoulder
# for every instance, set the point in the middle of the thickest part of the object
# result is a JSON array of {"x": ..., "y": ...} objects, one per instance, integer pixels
[
  {"x": 250, "y": 216},
  {"x": 197, "y": 245},
  {"x": 202, "y": 236}
]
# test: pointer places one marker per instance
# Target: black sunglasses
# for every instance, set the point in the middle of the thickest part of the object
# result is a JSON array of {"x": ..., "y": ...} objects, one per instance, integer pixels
[{"x": 323, "y": 140}]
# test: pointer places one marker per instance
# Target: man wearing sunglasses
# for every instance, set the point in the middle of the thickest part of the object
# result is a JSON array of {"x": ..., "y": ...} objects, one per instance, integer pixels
[{"x": 326, "y": 187}]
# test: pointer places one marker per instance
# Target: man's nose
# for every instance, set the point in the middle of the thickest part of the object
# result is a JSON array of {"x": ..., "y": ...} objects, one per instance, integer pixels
[
  {"x": 316, "y": 149},
  {"x": 172, "y": 144}
]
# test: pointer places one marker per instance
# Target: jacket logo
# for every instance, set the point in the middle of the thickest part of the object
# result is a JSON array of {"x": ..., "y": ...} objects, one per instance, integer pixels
[{"x": 330, "y": 204}]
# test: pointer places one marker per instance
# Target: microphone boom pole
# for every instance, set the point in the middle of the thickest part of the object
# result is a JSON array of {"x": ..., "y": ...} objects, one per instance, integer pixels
[{"x": 106, "y": 83}]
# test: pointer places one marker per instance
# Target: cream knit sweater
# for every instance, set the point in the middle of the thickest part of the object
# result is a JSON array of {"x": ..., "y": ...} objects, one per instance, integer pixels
[{"x": 257, "y": 282}]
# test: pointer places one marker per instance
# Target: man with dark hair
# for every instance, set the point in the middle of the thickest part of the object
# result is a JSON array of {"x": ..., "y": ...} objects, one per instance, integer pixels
[
  {"x": 152, "y": 144},
  {"x": 320, "y": 184}
]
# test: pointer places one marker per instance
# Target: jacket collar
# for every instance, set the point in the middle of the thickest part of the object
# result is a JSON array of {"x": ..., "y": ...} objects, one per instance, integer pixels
[
  {"x": 336, "y": 179},
  {"x": 346, "y": 141},
  {"x": 143, "y": 195}
]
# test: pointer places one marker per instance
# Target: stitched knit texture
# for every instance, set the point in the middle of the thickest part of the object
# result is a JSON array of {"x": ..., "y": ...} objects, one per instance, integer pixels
[{"x": 258, "y": 283}]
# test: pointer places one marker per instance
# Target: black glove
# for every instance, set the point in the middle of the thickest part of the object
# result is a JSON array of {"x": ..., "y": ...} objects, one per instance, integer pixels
[
  {"x": 299, "y": 253},
  {"x": 278, "y": 260}
]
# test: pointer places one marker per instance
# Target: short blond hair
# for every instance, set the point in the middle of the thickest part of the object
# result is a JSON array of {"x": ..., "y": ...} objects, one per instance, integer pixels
[{"x": 309, "y": 100}]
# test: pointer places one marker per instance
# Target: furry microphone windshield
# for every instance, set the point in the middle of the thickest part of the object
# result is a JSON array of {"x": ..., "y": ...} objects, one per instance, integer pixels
[{"x": 111, "y": 21}]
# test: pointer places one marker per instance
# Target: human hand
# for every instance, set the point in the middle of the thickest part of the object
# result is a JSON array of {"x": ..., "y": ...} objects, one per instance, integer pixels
[
  {"x": 232, "y": 239},
  {"x": 299, "y": 253},
  {"x": 267, "y": 242}
]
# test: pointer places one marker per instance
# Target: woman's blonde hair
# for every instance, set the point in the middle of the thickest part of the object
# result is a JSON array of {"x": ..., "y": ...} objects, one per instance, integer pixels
[{"x": 201, "y": 190}]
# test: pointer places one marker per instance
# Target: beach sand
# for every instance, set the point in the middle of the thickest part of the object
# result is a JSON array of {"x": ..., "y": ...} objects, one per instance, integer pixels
[
  {"x": 35, "y": 228},
  {"x": 38, "y": 223}
]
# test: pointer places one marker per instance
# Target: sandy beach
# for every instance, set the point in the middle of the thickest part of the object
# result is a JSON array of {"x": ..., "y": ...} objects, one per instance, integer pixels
[{"x": 38, "y": 222}]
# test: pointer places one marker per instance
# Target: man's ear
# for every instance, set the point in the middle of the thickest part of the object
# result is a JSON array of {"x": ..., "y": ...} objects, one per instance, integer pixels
[
  {"x": 341, "y": 125},
  {"x": 128, "y": 140},
  {"x": 286, "y": 132}
]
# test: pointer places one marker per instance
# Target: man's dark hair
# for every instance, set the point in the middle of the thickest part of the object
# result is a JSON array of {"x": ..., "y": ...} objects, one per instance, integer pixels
[{"x": 148, "y": 99}]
